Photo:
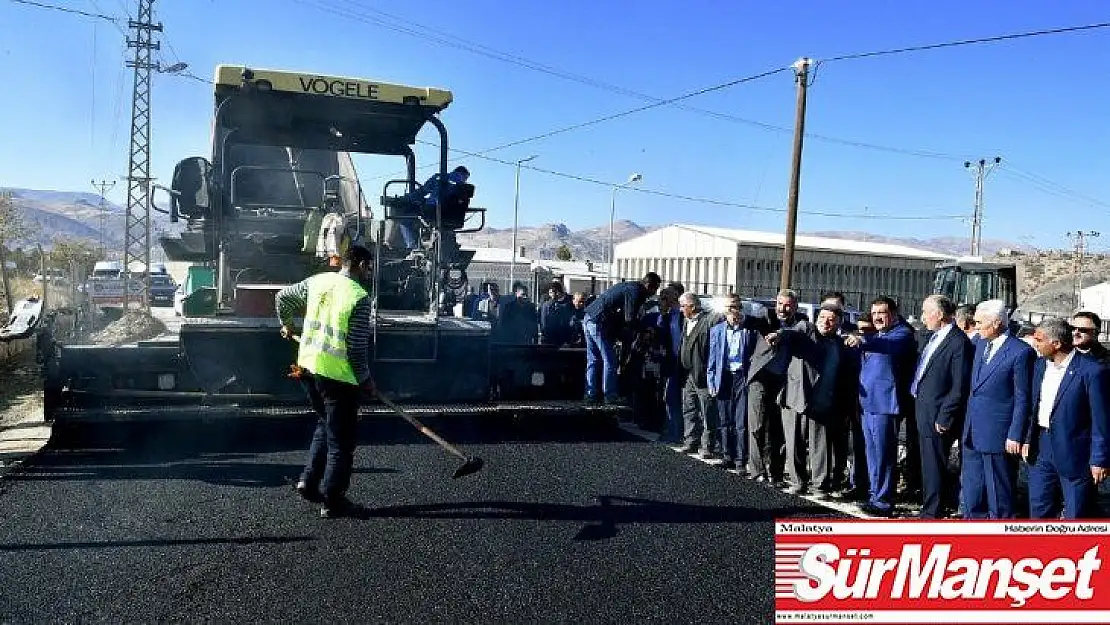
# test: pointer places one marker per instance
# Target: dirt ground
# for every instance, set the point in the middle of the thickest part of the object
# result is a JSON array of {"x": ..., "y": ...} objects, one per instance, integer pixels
[{"x": 21, "y": 392}]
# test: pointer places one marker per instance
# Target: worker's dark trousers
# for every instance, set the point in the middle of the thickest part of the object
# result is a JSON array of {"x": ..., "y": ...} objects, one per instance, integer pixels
[{"x": 331, "y": 455}]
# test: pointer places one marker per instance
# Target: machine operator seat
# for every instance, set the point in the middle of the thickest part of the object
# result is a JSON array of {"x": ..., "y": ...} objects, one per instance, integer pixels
[{"x": 454, "y": 209}]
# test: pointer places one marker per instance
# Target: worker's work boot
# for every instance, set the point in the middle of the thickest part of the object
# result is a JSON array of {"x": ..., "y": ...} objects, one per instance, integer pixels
[
  {"x": 308, "y": 493},
  {"x": 335, "y": 507}
]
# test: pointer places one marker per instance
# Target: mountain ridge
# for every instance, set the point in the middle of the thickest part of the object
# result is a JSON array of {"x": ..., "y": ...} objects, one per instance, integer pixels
[{"x": 77, "y": 214}]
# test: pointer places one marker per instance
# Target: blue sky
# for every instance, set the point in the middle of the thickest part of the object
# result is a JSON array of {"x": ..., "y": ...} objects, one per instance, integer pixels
[{"x": 66, "y": 113}]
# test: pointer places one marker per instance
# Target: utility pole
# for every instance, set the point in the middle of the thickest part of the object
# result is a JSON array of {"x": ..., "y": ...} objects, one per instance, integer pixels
[
  {"x": 801, "y": 78},
  {"x": 981, "y": 171},
  {"x": 136, "y": 240},
  {"x": 103, "y": 187},
  {"x": 1080, "y": 254}
]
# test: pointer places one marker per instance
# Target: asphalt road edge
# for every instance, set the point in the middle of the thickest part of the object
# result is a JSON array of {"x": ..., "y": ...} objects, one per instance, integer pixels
[{"x": 843, "y": 508}]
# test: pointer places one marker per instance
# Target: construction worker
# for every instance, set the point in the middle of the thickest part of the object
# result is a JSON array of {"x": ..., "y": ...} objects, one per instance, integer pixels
[{"x": 333, "y": 360}]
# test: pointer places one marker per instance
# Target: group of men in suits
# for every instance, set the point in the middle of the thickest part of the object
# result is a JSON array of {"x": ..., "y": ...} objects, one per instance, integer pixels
[
  {"x": 816, "y": 406},
  {"x": 761, "y": 396},
  {"x": 794, "y": 402},
  {"x": 1006, "y": 401}
]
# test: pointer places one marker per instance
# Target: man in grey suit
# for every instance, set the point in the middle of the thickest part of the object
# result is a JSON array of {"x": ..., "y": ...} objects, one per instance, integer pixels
[
  {"x": 768, "y": 374},
  {"x": 699, "y": 410}
]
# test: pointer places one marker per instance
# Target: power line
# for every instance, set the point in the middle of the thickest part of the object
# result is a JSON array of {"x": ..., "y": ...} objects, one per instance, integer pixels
[
  {"x": 580, "y": 125},
  {"x": 699, "y": 200},
  {"x": 967, "y": 42},
  {"x": 55, "y": 7},
  {"x": 444, "y": 38},
  {"x": 686, "y": 96},
  {"x": 115, "y": 21},
  {"x": 1052, "y": 188}
]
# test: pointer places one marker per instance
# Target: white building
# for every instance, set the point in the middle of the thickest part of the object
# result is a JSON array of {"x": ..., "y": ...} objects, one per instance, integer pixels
[
  {"x": 584, "y": 276},
  {"x": 1096, "y": 299},
  {"x": 495, "y": 264},
  {"x": 716, "y": 261}
]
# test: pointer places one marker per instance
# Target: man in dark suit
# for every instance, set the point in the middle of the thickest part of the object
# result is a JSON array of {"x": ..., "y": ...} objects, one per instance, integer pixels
[
  {"x": 997, "y": 416},
  {"x": 669, "y": 326},
  {"x": 813, "y": 399},
  {"x": 940, "y": 389},
  {"x": 1067, "y": 444},
  {"x": 699, "y": 410},
  {"x": 731, "y": 346},
  {"x": 836, "y": 298},
  {"x": 612, "y": 315},
  {"x": 858, "y": 487},
  {"x": 847, "y": 397},
  {"x": 555, "y": 316},
  {"x": 1085, "y": 326},
  {"x": 886, "y": 373}
]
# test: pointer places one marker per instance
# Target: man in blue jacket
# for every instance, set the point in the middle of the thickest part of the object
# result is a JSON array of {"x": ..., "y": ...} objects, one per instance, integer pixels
[
  {"x": 886, "y": 372},
  {"x": 613, "y": 314},
  {"x": 731, "y": 346},
  {"x": 1067, "y": 444},
  {"x": 997, "y": 416}
]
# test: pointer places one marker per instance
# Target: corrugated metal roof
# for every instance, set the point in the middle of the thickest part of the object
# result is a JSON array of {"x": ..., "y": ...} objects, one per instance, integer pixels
[
  {"x": 504, "y": 255},
  {"x": 495, "y": 255},
  {"x": 574, "y": 267},
  {"x": 815, "y": 243}
]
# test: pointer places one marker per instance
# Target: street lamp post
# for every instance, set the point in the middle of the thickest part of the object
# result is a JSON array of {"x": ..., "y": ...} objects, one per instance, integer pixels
[
  {"x": 634, "y": 178},
  {"x": 516, "y": 219}
]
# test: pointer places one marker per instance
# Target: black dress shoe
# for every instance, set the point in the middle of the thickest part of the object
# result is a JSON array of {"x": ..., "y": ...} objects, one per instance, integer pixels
[
  {"x": 873, "y": 510},
  {"x": 852, "y": 494}
]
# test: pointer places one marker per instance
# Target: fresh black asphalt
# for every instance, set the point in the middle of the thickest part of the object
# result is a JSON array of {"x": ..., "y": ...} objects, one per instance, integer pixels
[{"x": 569, "y": 521}]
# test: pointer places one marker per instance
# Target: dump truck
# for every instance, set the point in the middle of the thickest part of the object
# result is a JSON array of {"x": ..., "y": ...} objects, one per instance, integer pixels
[{"x": 249, "y": 218}]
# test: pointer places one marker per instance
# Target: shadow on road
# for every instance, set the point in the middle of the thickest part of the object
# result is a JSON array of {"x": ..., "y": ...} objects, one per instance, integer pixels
[
  {"x": 117, "y": 466},
  {"x": 602, "y": 520},
  {"x": 118, "y": 544},
  {"x": 248, "y": 434}
]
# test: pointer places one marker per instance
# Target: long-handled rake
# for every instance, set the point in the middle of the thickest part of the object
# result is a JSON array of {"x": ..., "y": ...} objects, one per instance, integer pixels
[{"x": 471, "y": 464}]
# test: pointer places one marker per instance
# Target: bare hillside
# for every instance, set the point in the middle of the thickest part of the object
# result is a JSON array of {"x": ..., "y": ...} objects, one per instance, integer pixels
[{"x": 1046, "y": 279}]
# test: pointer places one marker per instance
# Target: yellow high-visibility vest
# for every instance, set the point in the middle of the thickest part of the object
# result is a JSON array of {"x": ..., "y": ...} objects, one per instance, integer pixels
[{"x": 323, "y": 350}]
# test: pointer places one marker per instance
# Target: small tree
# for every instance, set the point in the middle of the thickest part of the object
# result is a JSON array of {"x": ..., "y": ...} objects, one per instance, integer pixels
[
  {"x": 75, "y": 256},
  {"x": 563, "y": 253},
  {"x": 12, "y": 229}
]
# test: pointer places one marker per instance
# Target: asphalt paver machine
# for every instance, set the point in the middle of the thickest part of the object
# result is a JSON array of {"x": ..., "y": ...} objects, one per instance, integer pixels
[{"x": 277, "y": 201}]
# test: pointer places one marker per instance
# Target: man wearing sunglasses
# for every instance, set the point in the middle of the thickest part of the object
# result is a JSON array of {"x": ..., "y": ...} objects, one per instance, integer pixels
[{"x": 1085, "y": 327}]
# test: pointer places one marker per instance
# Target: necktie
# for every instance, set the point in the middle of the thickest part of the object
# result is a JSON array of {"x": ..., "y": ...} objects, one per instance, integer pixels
[
  {"x": 921, "y": 364},
  {"x": 987, "y": 352}
]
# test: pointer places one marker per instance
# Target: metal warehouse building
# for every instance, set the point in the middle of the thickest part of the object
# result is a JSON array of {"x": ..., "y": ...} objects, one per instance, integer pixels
[
  {"x": 715, "y": 261},
  {"x": 492, "y": 264}
]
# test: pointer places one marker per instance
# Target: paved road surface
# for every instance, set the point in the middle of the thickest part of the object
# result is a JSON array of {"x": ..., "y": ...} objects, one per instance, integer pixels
[{"x": 567, "y": 523}]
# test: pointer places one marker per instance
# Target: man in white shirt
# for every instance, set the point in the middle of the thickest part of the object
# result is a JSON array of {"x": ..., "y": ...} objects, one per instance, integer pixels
[{"x": 1068, "y": 441}]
